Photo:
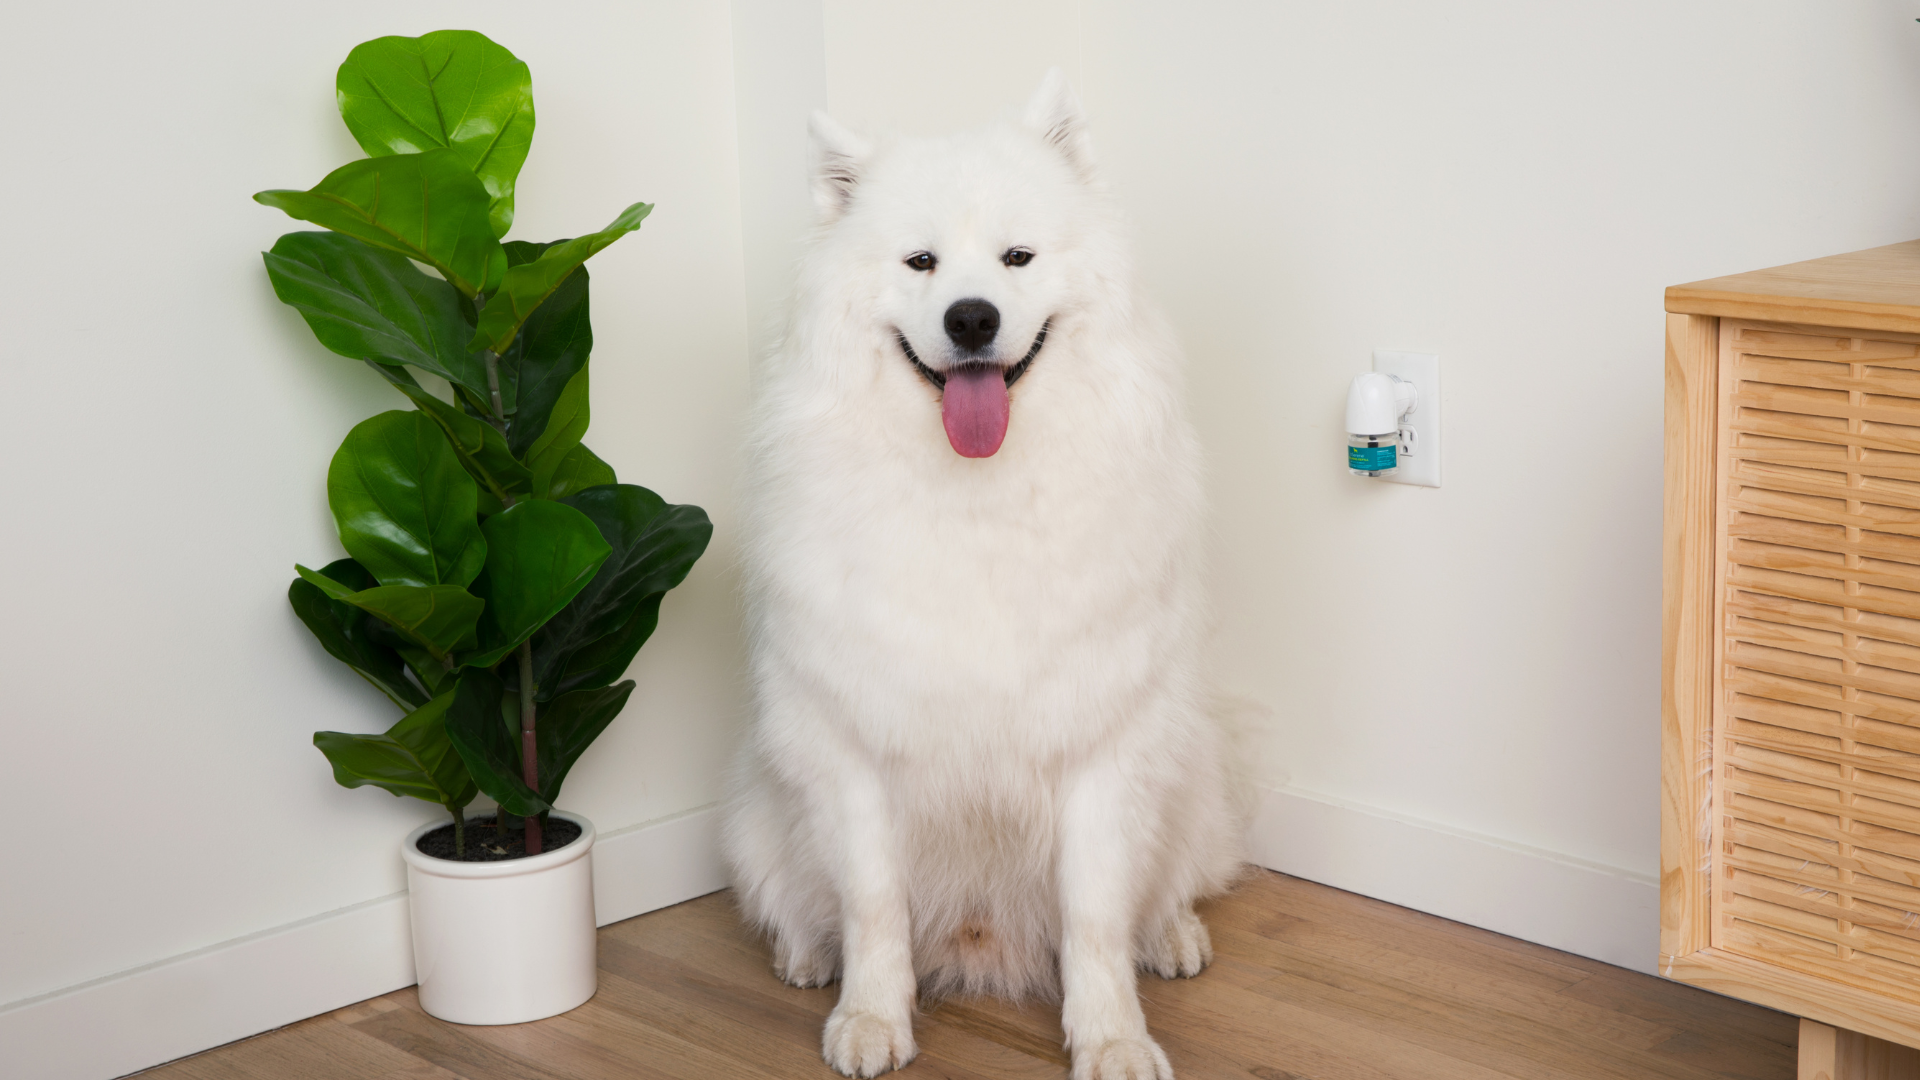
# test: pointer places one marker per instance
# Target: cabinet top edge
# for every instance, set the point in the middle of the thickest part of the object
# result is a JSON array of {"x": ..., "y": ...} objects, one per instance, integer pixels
[{"x": 1881, "y": 283}]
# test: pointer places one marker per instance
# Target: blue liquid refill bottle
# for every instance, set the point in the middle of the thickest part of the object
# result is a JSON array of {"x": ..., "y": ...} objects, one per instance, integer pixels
[
  {"x": 1375, "y": 405},
  {"x": 1371, "y": 455}
]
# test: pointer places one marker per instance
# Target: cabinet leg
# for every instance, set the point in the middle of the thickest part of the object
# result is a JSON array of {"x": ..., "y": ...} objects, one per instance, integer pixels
[
  {"x": 1819, "y": 1051},
  {"x": 1829, "y": 1053}
]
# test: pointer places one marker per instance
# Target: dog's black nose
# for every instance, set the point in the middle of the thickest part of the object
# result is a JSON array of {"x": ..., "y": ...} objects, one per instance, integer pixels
[{"x": 972, "y": 323}]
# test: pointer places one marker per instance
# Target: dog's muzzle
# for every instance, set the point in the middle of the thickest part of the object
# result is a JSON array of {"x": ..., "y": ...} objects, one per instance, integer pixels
[
  {"x": 973, "y": 397},
  {"x": 1012, "y": 373}
]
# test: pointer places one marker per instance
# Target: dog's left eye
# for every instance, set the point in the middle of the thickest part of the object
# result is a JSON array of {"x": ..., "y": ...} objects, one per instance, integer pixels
[
  {"x": 1017, "y": 257},
  {"x": 921, "y": 260}
]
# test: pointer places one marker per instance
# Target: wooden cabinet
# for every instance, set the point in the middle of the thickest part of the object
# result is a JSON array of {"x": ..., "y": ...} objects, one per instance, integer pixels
[{"x": 1790, "y": 825}]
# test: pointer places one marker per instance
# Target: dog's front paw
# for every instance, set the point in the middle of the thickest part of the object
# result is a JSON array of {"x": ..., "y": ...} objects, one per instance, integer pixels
[
  {"x": 867, "y": 1044},
  {"x": 1181, "y": 949},
  {"x": 1122, "y": 1059}
]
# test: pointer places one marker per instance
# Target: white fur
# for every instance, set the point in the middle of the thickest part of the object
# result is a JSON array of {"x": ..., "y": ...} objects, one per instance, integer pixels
[{"x": 982, "y": 761}]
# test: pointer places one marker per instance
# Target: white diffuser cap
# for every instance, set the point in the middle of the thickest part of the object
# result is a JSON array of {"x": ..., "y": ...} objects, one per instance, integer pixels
[{"x": 1373, "y": 406}]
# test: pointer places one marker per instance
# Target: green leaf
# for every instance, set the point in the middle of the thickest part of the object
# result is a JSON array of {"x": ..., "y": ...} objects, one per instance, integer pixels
[
  {"x": 518, "y": 251},
  {"x": 483, "y": 742},
  {"x": 425, "y": 206},
  {"x": 335, "y": 589},
  {"x": 413, "y": 758},
  {"x": 370, "y": 304},
  {"x": 565, "y": 426},
  {"x": 480, "y": 446},
  {"x": 451, "y": 88},
  {"x": 344, "y": 631},
  {"x": 551, "y": 347},
  {"x": 539, "y": 555},
  {"x": 431, "y": 672},
  {"x": 563, "y": 730},
  {"x": 578, "y": 471},
  {"x": 442, "y": 618},
  {"x": 526, "y": 285},
  {"x": 404, "y": 504},
  {"x": 439, "y": 618},
  {"x": 607, "y": 659},
  {"x": 654, "y": 546}
]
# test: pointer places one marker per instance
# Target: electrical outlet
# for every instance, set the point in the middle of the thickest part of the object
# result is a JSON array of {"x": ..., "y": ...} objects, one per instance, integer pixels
[{"x": 1419, "y": 460}]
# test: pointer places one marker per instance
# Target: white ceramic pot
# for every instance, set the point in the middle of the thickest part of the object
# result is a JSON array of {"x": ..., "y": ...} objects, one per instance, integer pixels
[{"x": 503, "y": 942}]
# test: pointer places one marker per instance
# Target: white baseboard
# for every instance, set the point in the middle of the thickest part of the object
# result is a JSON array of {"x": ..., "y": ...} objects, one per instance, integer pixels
[
  {"x": 152, "y": 1014},
  {"x": 1597, "y": 911},
  {"x": 657, "y": 864}
]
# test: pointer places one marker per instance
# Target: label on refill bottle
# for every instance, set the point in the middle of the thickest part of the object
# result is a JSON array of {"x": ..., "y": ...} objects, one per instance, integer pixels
[{"x": 1370, "y": 458}]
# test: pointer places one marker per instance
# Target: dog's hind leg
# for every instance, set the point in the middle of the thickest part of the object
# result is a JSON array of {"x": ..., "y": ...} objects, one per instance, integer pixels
[
  {"x": 1177, "y": 948},
  {"x": 1102, "y": 823},
  {"x": 780, "y": 879},
  {"x": 806, "y": 960},
  {"x": 871, "y": 1029}
]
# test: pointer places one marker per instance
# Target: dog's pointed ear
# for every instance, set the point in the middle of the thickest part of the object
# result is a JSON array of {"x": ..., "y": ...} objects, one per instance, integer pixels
[
  {"x": 1054, "y": 112},
  {"x": 838, "y": 157}
]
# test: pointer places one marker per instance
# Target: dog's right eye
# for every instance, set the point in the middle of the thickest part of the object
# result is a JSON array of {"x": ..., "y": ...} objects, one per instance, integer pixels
[{"x": 921, "y": 260}]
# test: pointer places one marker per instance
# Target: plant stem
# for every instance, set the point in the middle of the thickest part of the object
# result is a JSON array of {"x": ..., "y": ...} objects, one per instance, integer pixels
[
  {"x": 493, "y": 387},
  {"x": 499, "y": 419},
  {"x": 493, "y": 374},
  {"x": 529, "y": 754},
  {"x": 460, "y": 833},
  {"x": 529, "y": 757}
]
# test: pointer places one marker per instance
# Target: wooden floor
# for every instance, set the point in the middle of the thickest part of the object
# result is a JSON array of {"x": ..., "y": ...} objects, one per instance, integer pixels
[{"x": 1309, "y": 983}]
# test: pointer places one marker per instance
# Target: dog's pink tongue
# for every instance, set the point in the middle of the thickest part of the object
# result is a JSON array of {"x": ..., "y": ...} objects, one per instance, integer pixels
[{"x": 974, "y": 410}]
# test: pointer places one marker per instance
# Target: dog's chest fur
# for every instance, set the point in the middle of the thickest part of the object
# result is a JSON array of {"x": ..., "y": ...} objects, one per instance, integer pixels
[{"x": 1024, "y": 600}]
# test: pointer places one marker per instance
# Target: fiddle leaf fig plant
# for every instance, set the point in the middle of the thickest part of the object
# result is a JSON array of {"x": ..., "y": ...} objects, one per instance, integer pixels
[{"x": 499, "y": 578}]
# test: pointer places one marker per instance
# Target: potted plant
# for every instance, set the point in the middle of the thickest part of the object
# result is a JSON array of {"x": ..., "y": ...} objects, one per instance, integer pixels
[{"x": 498, "y": 579}]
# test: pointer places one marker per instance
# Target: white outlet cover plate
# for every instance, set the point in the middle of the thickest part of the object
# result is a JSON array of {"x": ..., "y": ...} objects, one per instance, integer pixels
[{"x": 1422, "y": 466}]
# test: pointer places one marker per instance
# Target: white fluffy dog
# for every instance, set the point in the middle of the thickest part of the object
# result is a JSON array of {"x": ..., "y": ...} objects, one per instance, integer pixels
[{"x": 982, "y": 760}]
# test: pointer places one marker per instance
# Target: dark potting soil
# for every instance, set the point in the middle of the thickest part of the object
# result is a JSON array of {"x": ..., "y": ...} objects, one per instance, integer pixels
[{"x": 486, "y": 845}]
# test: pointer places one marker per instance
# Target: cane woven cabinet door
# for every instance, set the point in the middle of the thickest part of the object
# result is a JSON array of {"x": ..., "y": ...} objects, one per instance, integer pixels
[{"x": 1791, "y": 846}]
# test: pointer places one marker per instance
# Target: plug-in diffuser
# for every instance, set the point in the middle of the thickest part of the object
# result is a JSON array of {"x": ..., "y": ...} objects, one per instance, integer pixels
[
  {"x": 1376, "y": 403},
  {"x": 1392, "y": 436}
]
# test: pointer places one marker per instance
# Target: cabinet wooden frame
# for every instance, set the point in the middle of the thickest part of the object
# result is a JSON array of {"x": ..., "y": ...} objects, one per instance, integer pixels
[{"x": 1691, "y": 665}]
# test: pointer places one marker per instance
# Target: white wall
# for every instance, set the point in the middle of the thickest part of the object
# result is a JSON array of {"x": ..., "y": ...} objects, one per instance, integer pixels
[
  {"x": 1467, "y": 676},
  {"x": 1509, "y": 185},
  {"x": 170, "y": 425},
  {"x": 780, "y": 77}
]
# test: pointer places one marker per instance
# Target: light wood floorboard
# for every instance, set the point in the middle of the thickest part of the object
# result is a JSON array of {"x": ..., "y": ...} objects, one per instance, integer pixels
[{"x": 1309, "y": 983}]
